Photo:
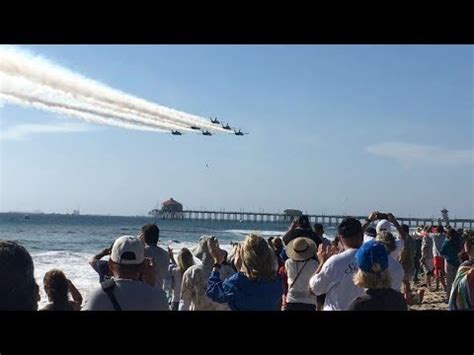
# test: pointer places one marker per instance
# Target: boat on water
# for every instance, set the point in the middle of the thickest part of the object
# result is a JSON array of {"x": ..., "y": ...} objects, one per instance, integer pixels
[{"x": 27, "y": 216}]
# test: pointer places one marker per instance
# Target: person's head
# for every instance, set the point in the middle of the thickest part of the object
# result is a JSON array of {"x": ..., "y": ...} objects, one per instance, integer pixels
[
  {"x": 277, "y": 243},
  {"x": 185, "y": 259},
  {"x": 300, "y": 249},
  {"x": 469, "y": 246},
  {"x": 440, "y": 229},
  {"x": 303, "y": 222},
  {"x": 127, "y": 257},
  {"x": 405, "y": 228},
  {"x": 18, "y": 288},
  {"x": 383, "y": 225},
  {"x": 388, "y": 240},
  {"x": 350, "y": 232},
  {"x": 56, "y": 286},
  {"x": 270, "y": 241},
  {"x": 318, "y": 229},
  {"x": 151, "y": 233},
  {"x": 258, "y": 259},
  {"x": 201, "y": 250},
  {"x": 371, "y": 232},
  {"x": 372, "y": 261}
]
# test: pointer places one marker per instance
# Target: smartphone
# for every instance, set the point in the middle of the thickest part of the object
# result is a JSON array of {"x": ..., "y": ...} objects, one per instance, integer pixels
[{"x": 382, "y": 216}]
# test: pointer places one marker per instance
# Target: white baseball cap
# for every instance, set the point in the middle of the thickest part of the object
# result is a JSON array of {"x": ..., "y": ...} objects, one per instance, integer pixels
[
  {"x": 383, "y": 225},
  {"x": 128, "y": 250}
]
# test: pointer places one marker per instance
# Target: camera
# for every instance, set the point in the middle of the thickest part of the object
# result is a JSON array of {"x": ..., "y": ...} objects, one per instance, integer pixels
[{"x": 382, "y": 216}]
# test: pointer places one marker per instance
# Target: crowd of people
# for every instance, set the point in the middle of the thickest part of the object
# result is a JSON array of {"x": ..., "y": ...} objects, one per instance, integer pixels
[{"x": 365, "y": 267}]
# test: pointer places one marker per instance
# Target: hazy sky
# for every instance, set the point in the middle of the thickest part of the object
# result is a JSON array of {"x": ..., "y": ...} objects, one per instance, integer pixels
[{"x": 333, "y": 129}]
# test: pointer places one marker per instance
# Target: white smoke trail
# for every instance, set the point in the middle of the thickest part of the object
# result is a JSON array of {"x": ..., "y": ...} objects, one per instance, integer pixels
[
  {"x": 91, "y": 118},
  {"x": 17, "y": 87},
  {"x": 18, "y": 62}
]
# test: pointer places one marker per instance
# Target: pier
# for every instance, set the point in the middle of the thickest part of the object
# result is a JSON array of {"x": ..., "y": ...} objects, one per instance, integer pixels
[{"x": 331, "y": 220}]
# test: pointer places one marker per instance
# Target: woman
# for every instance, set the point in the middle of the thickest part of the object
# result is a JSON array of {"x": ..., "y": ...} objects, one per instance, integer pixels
[
  {"x": 176, "y": 271},
  {"x": 299, "y": 268},
  {"x": 256, "y": 286},
  {"x": 394, "y": 267},
  {"x": 373, "y": 275},
  {"x": 57, "y": 287},
  {"x": 450, "y": 249},
  {"x": 462, "y": 294}
]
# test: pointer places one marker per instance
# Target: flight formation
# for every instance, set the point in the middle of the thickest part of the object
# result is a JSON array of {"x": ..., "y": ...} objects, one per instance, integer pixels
[
  {"x": 206, "y": 132},
  {"x": 27, "y": 79}
]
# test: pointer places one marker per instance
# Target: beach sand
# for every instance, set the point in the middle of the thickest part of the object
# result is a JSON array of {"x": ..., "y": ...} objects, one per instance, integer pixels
[{"x": 432, "y": 301}]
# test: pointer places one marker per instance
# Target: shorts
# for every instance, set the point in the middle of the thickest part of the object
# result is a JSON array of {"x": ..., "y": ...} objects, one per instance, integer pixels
[
  {"x": 438, "y": 266},
  {"x": 428, "y": 266}
]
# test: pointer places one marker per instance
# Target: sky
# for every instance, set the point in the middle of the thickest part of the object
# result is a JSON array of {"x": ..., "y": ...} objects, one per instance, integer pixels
[{"x": 332, "y": 129}]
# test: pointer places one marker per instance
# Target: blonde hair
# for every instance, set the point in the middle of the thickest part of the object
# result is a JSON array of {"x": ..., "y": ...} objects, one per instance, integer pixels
[
  {"x": 372, "y": 280},
  {"x": 185, "y": 260},
  {"x": 257, "y": 258},
  {"x": 387, "y": 239}
]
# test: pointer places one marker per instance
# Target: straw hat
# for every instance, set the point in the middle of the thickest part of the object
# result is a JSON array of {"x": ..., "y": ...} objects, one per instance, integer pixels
[{"x": 301, "y": 249}]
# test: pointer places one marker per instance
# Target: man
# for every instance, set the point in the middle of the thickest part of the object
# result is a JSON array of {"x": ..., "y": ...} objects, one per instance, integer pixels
[
  {"x": 370, "y": 234},
  {"x": 407, "y": 260},
  {"x": 300, "y": 227},
  {"x": 319, "y": 230},
  {"x": 194, "y": 284},
  {"x": 427, "y": 255},
  {"x": 18, "y": 288},
  {"x": 125, "y": 291},
  {"x": 101, "y": 266},
  {"x": 150, "y": 235},
  {"x": 334, "y": 274},
  {"x": 438, "y": 260}
]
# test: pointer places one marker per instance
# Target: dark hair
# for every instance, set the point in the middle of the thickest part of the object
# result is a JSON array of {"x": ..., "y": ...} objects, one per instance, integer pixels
[
  {"x": 469, "y": 242},
  {"x": 440, "y": 229},
  {"x": 270, "y": 241},
  {"x": 319, "y": 227},
  {"x": 350, "y": 228},
  {"x": 405, "y": 228},
  {"x": 371, "y": 232},
  {"x": 303, "y": 221},
  {"x": 56, "y": 287},
  {"x": 151, "y": 233},
  {"x": 18, "y": 288}
]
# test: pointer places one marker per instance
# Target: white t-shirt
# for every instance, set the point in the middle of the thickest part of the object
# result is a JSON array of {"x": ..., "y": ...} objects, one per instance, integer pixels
[
  {"x": 131, "y": 296},
  {"x": 161, "y": 261},
  {"x": 399, "y": 243},
  {"x": 335, "y": 280},
  {"x": 396, "y": 273},
  {"x": 299, "y": 292}
]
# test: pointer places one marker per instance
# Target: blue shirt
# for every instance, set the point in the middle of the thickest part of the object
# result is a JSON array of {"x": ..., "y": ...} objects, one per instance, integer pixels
[
  {"x": 242, "y": 294},
  {"x": 450, "y": 250}
]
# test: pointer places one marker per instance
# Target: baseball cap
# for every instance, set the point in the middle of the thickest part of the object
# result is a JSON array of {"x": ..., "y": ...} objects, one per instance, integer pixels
[
  {"x": 383, "y": 225},
  {"x": 372, "y": 257},
  {"x": 128, "y": 250}
]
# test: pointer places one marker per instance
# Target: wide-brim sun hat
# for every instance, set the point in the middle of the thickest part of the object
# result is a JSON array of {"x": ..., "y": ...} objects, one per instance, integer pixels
[{"x": 301, "y": 249}]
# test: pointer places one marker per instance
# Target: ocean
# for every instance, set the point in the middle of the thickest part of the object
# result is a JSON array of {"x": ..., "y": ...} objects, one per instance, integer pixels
[{"x": 67, "y": 242}]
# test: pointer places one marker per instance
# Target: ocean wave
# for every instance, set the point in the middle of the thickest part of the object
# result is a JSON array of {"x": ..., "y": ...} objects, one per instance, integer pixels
[{"x": 263, "y": 233}]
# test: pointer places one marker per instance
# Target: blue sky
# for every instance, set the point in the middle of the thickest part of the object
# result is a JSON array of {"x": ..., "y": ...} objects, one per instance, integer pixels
[{"x": 333, "y": 129}]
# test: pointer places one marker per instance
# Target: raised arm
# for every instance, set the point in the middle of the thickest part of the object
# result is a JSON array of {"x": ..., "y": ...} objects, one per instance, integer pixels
[
  {"x": 76, "y": 295},
  {"x": 372, "y": 217},
  {"x": 99, "y": 256},
  {"x": 393, "y": 220}
]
